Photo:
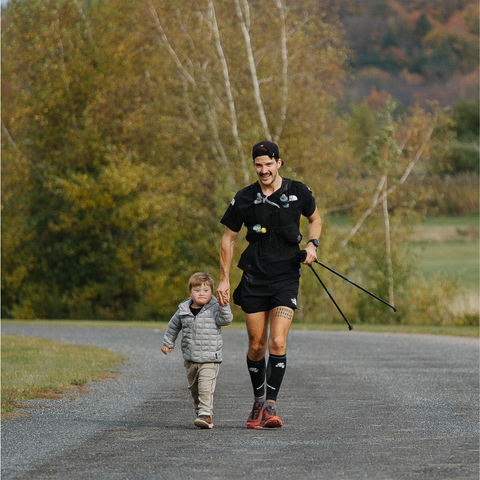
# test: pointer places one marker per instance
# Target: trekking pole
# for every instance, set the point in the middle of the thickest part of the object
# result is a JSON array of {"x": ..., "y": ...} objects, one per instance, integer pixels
[
  {"x": 302, "y": 255},
  {"x": 358, "y": 286},
  {"x": 328, "y": 293}
]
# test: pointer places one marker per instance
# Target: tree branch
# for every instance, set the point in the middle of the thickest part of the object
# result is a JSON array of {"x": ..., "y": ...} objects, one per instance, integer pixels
[
  {"x": 170, "y": 49},
  {"x": 253, "y": 71},
  {"x": 367, "y": 212},
  {"x": 283, "y": 43},
  {"x": 228, "y": 90},
  {"x": 402, "y": 180}
]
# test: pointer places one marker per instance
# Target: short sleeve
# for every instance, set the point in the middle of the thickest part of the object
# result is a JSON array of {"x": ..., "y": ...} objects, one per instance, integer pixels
[
  {"x": 232, "y": 218},
  {"x": 306, "y": 198}
]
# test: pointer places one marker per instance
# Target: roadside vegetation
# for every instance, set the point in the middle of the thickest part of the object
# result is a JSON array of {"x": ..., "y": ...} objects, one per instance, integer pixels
[
  {"x": 127, "y": 129},
  {"x": 41, "y": 368}
]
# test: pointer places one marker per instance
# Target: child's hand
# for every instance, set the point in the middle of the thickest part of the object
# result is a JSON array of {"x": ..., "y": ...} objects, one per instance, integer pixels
[{"x": 166, "y": 350}]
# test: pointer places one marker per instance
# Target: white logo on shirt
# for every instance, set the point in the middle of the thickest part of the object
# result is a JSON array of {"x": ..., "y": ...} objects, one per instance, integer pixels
[
  {"x": 232, "y": 202},
  {"x": 293, "y": 198}
]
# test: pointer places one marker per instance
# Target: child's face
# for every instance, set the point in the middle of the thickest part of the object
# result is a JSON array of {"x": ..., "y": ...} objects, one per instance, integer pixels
[{"x": 201, "y": 294}]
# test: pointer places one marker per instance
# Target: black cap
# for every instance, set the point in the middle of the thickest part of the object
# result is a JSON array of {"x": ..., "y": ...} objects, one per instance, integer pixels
[{"x": 265, "y": 148}]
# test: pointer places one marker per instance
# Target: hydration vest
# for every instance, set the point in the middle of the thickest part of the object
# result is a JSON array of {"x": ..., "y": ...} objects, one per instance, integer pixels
[{"x": 271, "y": 217}]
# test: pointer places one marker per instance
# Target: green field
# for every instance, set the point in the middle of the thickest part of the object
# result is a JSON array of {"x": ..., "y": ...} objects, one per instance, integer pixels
[
  {"x": 448, "y": 248},
  {"x": 450, "y": 259}
]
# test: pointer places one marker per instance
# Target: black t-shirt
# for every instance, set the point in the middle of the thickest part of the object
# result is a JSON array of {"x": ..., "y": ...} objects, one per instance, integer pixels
[
  {"x": 195, "y": 311},
  {"x": 270, "y": 257}
]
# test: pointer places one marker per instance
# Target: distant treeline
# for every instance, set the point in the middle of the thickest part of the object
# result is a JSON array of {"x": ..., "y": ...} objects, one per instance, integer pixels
[{"x": 416, "y": 50}]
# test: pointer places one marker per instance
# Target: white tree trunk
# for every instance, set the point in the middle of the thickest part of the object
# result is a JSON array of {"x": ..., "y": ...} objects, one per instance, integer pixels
[
  {"x": 283, "y": 42},
  {"x": 376, "y": 198},
  {"x": 388, "y": 249},
  {"x": 244, "y": 18},
  {"x": 228, "y": 91}
]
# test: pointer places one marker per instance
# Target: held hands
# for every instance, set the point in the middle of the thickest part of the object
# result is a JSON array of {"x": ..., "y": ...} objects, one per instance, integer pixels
[
  {"x": 166, "y": 350},
  {"x": 223, "y": 292}
]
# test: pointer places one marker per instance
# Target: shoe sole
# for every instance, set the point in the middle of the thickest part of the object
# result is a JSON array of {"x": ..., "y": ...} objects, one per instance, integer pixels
[
  {"x": 254, "y": 425},
  {"x": 202, "y": 424},
  {"x": 273, "y": 422}
]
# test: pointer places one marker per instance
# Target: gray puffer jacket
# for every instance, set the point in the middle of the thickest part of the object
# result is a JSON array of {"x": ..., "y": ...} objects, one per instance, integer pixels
[{"x": 202, "y": 334}]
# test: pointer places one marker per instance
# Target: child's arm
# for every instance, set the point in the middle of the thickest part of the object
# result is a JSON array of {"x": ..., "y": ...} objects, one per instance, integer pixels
[
  {"x": 224, "y": 316},
  {"x": 173, "y": 329}
]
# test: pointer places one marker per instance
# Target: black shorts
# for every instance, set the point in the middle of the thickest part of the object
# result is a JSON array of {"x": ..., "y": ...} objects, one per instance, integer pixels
[{"x": 255, "y": 294}]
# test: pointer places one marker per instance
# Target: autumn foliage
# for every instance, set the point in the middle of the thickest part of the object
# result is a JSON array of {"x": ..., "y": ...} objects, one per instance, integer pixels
[{"x": 127, "y": 128}]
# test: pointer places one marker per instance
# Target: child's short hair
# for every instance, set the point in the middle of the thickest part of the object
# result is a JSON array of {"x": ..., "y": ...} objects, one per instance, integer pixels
[{"x": 198, "y": 279}]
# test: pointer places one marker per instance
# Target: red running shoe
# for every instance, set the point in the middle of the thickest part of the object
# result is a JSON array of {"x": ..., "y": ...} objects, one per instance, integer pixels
[
  {"x": 255, "y": 417},
  {"x": 269, "y": 417}
]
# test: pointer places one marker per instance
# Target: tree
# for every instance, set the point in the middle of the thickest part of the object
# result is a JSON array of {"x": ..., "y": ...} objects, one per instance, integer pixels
[
  {"x": 252, "y": 71},
  {"x": 77, "y": 129},
  {"x": 394, "y": 150},
  {"x": 125, "y": 133}
]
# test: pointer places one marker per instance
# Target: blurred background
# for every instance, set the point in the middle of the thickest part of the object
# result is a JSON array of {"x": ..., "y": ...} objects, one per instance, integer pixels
[{"x": 127, "y": 129}]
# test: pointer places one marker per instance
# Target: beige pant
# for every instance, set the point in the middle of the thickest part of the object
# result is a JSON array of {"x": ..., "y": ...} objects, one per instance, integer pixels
[{"x": 202, "y": 378}]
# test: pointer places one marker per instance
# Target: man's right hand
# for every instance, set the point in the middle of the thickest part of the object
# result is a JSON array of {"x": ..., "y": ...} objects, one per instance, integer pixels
[{"x": 223, "y": 292}]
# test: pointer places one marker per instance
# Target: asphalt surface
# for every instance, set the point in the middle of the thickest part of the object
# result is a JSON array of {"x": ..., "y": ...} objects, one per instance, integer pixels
[{"x": 354, "y": 406}]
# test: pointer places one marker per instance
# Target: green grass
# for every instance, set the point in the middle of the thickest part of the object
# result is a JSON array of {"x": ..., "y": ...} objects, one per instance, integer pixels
[
  {"x": 42, "y": 368},
  {"x": 449, "y": 260},
  {"x": 456, "y": 331},
  {"x": 447, "y": 248},
  {"x": 459, "y": 331}
]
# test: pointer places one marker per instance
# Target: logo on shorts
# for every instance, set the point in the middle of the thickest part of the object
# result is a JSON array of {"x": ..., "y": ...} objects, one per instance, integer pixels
[{"x": 294, "y": 301}]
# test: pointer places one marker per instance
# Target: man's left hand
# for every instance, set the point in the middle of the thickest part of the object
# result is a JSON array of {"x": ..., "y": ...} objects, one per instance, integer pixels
[{"x": 311, "y": 254}]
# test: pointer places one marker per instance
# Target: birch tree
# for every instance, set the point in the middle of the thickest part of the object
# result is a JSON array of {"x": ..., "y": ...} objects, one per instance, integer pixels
[
  {"x": 251, "y": 70},
  {"x": 127, "y": 129},
  {"x": 396, "y": 149}
]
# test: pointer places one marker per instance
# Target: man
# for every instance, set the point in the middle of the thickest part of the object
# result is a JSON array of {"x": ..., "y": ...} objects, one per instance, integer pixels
[{"x": 270, "y": 209}]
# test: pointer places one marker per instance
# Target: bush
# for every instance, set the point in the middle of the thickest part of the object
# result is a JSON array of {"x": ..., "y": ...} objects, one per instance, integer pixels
[{"x": 447, "y": 195}]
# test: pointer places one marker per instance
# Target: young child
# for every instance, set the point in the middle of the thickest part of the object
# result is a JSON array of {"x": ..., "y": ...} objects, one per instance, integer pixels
[{"x": 200, "y": 318}]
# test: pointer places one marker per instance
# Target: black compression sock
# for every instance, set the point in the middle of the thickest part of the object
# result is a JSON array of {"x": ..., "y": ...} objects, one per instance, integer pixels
[
  {"x": 257, "y": 376},
  {"x": 275, "y": 372}
]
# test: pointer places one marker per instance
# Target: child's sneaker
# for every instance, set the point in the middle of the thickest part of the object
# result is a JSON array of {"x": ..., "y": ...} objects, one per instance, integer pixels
[
  {"x": 269, "y": 417},
  {"x": 255, "y": 417},
  {"x": 203, "y": 421}
]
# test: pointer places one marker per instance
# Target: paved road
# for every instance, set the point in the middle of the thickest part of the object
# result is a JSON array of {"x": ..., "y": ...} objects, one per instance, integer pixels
[{"x": 354, "y": 405}]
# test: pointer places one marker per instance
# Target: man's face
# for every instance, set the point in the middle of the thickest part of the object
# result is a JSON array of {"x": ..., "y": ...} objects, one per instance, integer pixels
[{"x": 267, "y": 169}]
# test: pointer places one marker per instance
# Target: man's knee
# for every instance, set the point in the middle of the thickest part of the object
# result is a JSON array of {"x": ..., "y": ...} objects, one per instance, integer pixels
[
  {"x": 277, "y": 344},
  {"x": 256, "y": 349}
]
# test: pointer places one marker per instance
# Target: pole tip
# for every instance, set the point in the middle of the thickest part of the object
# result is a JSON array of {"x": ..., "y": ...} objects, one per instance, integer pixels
[
  {"x": 350, "y": 327},
  {"x": 395, "y": 309}
]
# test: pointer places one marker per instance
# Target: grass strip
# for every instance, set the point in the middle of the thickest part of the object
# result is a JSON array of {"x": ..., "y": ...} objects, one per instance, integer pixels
[
  {"x": 457, "y": 330},
  {"x": 41, "y": 368},
  {"x": 449, "y": 260}
]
